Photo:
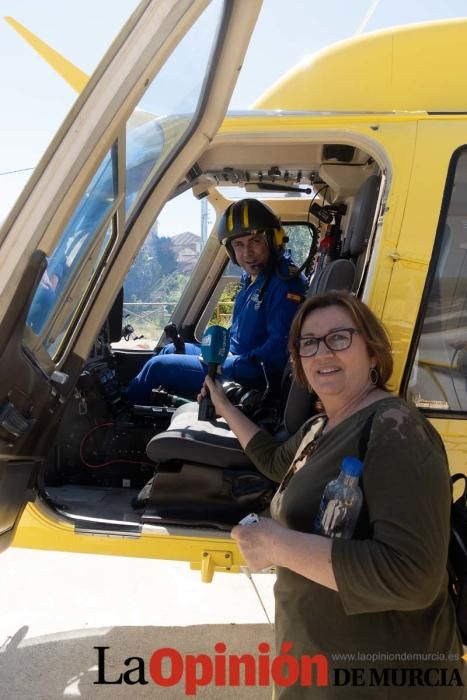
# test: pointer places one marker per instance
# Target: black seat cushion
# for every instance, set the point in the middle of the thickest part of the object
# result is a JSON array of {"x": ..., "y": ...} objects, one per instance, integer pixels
[
  {"x": 189, "y": 440},
  {"x": 361, "y": 219},
  {"x": 299, "y": 407},
  {"x": 338, "y": 274}
]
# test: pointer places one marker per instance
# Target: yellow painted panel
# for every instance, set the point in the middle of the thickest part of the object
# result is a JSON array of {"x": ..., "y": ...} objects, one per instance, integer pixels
[
  {"x": 437, "y": 140},
  {"x": 413, "y": 68},
  {"x": 454, "y": 434},
  {"x": 401, "y": 311},
  {"x": 39, "y": 531}
]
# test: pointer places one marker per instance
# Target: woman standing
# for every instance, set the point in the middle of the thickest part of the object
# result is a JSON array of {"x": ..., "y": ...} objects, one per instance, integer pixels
[{"x": 380, "y": 600}]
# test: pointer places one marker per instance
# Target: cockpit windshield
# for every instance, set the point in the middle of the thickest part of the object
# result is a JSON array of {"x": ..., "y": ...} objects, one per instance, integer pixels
[{"x": 157, "y": 128}]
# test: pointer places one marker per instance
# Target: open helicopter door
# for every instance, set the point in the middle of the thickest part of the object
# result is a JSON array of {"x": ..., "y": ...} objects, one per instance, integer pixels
[{"x": 154, "y": 103}]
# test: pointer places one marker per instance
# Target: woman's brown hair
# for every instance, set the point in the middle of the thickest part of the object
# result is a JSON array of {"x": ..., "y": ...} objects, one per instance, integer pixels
[{"x": 372, "y": 331}]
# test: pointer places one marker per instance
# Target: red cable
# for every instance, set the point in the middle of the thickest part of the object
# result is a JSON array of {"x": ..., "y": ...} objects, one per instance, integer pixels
[{"x": 112, "y": 461}]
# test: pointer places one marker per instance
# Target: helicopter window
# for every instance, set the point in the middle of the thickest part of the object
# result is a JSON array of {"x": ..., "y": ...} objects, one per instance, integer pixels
[
  {"x": 162, "y": 268},
  {"x": 439, "y": 375},
  {"x": 298, "y": 245},
  {"x": 165, "y": 114},
  {"x": 74, "y": 262},
  {"x": 219, "y": 307}
]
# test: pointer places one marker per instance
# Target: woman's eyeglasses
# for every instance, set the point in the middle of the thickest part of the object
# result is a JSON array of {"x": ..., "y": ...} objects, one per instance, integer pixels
[{"x": 336, "y": 341}]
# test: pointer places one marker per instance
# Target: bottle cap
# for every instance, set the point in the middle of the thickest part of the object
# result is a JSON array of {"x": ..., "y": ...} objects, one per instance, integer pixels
[{"x": 352, "y": 466}]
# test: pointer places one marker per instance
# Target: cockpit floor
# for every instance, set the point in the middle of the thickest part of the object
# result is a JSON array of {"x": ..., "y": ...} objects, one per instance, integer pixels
[{"x": 100, "y": 503}]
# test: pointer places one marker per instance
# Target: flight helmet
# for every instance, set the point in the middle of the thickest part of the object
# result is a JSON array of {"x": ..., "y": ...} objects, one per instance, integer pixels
[{"x": 249, "y": 216}]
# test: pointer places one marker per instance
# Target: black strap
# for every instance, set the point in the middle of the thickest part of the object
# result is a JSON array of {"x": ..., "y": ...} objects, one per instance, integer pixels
[
  {"x": 365, "y": 437},
  {"x": 463, "y": 496},
  {"x": 363, "y": 530}
]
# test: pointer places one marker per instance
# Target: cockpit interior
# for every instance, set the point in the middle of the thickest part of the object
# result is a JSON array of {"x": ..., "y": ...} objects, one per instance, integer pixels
[{"x": 121, "y": 467}]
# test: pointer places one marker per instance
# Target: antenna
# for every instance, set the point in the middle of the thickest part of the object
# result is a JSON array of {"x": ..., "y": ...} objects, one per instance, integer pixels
[{"x": 366, "y": 18}]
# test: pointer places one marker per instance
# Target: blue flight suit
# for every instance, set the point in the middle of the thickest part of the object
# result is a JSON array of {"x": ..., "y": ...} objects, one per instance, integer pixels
[
  {"x": 45, "y": 296},
  {"x": 262, "y": 314}
]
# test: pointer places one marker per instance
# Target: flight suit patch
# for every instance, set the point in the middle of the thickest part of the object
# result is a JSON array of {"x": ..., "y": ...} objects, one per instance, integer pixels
[{"x": 255, "y": 298}]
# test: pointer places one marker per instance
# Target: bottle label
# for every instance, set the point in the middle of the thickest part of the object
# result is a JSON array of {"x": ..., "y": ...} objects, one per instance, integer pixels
[
  {"x": 320, "y": 514},
  {"x": 334, "y": 518}
]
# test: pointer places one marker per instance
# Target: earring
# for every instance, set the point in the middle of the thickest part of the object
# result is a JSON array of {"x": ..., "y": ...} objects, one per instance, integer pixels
[{"x": 374, "y": 375}]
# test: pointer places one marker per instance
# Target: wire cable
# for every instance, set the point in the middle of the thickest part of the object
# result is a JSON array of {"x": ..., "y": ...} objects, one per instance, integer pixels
[
  {"x": 13, "y": 172},
  {"x": 247, "y": 573},
  {"x": 112, "y": 461}
]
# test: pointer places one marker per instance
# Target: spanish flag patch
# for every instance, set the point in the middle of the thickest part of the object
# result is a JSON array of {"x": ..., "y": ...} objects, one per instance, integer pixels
[{"x": 294, "y": 297}]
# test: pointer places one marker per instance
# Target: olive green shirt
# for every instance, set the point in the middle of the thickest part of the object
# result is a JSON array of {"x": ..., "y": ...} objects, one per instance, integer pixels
[{"x": 392, "y": 599}]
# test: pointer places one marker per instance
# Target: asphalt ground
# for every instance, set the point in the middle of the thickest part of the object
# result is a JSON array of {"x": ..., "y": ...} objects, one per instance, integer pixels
[
  {"x": 56, "y": 608},
  {"x": 70, "y": 620}
]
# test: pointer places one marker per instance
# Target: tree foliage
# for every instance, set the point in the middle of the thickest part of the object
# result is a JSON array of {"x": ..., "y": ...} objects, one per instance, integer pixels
[
  {"x": 156, "y": 282},
  {"x": 223, "y": 312},
  {"x": 151, "y": 277},
  {"x": 299, "y": 242}
]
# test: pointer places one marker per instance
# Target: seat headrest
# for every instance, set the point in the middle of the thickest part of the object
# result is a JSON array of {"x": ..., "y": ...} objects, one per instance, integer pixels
[
  {"x": 359, "y": 228},
  {"x": 338, "y": 274},
  {"x": 298, "y": 409}
]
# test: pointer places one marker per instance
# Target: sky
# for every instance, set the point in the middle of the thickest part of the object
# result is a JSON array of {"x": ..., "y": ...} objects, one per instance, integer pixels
[{"x": 35, "y": 100}]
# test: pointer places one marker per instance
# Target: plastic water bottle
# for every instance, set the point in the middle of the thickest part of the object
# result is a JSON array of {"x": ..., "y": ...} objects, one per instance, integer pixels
[{"x": 341, "y": 502}]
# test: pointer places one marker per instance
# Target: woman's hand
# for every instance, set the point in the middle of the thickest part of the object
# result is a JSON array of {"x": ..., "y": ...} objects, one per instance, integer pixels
[
  {"x": 257, "y": 542},
  {"x": 269, "y": 544},
  {"x": 217, "y": 395},
  {"x": 242, "y": 426}
]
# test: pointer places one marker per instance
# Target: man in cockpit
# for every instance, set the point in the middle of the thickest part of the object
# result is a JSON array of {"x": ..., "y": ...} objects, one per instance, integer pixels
[{"x": 271, "y": 290}]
